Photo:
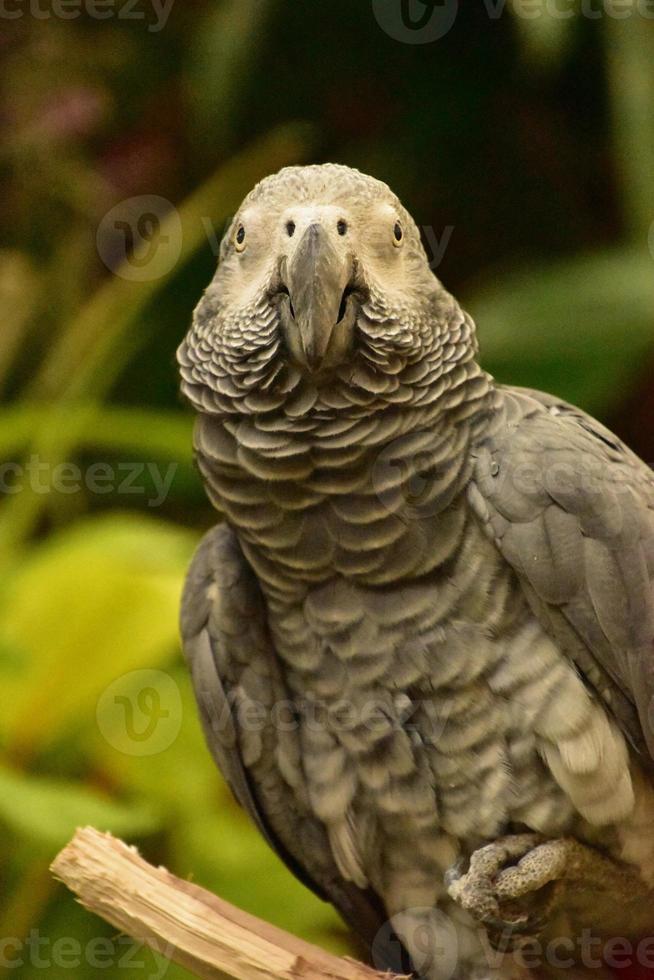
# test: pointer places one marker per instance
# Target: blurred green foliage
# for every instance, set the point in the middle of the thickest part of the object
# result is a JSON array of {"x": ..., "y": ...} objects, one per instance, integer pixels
[{"x": 531, "y": 141}]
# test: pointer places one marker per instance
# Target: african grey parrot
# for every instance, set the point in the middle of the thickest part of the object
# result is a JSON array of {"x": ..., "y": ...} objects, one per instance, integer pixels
[{"x": 422, "y": 637}]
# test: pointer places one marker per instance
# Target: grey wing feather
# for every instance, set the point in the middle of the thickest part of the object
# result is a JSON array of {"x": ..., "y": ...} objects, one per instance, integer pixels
[
  {"x": 237, "y": 683},
  {"x": 572, "y": 511}
]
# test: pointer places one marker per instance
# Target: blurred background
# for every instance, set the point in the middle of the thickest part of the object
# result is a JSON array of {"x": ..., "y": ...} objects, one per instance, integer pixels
[{"x": 522, "y": 141}]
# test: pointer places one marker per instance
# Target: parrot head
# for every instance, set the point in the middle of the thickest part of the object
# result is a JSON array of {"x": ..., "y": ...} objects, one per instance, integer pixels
[
  {"x": 323, "y": 276},
  {"x": 318, "y": 243}
]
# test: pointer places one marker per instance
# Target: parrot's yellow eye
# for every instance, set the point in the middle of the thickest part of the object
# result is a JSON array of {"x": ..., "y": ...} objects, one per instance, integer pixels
[
  {"x": 239, "y": 240},
  {"x": 398, "y": 234}
]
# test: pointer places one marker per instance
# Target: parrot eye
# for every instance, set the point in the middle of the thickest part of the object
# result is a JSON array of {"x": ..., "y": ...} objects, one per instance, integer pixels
[
  {"x": 240, "y": 238},
  {"x": 290, "y": 229},
  {"x": 398, "y": 234},
  {"x": 342, "y": 227}
]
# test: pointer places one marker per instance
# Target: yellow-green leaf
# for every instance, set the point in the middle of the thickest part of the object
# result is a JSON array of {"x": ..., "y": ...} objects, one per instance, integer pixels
[{"x": 96, "y": 602}]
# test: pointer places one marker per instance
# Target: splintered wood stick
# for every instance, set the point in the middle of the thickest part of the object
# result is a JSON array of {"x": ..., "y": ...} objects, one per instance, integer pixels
[{"x": 198, "y": 930}]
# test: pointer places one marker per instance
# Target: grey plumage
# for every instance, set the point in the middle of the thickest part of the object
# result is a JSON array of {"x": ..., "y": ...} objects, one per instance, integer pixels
[{"x": 433, "y": 594}]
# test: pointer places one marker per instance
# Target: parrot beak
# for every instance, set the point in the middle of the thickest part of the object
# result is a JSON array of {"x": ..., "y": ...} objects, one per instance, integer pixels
[{"x": 319, "y": 282}]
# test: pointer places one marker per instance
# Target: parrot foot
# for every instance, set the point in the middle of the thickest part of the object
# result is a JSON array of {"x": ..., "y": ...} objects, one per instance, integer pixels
[
  {"x": 516, "y": 885},
  {"x": 512, "y": 885}
]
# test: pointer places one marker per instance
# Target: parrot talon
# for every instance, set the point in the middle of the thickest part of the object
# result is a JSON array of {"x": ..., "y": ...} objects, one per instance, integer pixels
[{"x": 500, "y": 873}]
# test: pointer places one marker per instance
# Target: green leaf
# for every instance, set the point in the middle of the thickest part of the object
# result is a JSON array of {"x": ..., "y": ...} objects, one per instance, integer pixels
[
  {"x": 111, "y": 428},
  {"x": 94, "y": 603},
  {"x": 546, "y": 36},
  {"x": 46, "y": 812},
  {"x": 221, "y": 63},
  {"x": 629, "y": 46},
  {"x": 19, "y": 290},
  {"x": 580, "y": 328}
]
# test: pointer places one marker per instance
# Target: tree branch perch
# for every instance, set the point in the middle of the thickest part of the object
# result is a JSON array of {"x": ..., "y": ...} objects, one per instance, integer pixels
[{"x": 198, "y": 930}]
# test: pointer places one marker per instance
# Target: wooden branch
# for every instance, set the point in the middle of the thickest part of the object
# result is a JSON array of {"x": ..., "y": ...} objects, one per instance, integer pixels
[{"x": 198, "y": 930}]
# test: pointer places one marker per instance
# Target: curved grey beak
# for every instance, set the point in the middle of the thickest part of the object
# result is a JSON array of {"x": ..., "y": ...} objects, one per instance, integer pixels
[{"x": 317, "y": 281}]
